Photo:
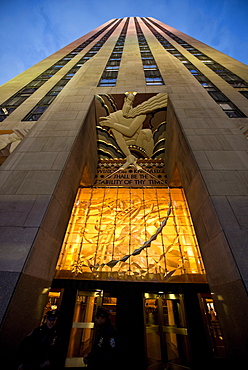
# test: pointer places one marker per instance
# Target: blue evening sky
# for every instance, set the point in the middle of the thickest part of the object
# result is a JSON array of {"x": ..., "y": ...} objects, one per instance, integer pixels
[{"x": 31, "y": 30}]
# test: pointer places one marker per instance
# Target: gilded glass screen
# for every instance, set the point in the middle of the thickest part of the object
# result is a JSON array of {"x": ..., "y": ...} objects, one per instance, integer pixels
[{"x": 131, "y": 233}]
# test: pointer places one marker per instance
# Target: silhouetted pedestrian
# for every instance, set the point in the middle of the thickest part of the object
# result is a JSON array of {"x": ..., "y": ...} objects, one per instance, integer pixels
[{"x": 40, "y": 349}]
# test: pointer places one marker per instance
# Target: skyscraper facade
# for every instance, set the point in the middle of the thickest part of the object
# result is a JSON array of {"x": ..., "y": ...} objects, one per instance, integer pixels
[{"x": 124, "y": 183}]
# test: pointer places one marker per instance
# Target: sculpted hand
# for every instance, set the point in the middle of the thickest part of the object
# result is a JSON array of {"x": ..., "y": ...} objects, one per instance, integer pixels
[{"x": 107, "y": 121}]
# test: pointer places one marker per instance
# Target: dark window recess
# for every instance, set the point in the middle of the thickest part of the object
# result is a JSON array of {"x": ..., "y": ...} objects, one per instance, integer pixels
[
  {"x": 56, "y": 90},
  {"x": 29, "y": 91},
  {"x": 152, "y": 73},
  {"x": 201, "y": 78},
  {"x": 218, "y": 96},
  {"x": 244, "y": 93},
  {"x": 5, "y": 112},
  {"x": 16, "y": 101},
  {"x": 113, "y": 63},
  {"x": 40, "y": 108},
  {"x": 231, "y": 110},
  {"x": 36, "y": 83},
  {"x": 109, "y": 75}
]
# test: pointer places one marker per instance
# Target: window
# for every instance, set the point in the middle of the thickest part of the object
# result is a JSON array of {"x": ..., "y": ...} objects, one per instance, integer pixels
[
  {"x": 56, "y": 90},
  {"x": 40, "y": 108},
  {"x": 218, "y": 96},
  {"x": 231, "y": 110},
  {"x": 5, "y": 112}
]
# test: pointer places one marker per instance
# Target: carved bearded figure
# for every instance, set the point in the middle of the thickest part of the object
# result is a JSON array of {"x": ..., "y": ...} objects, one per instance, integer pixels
[{"x": 127, "y": 124}]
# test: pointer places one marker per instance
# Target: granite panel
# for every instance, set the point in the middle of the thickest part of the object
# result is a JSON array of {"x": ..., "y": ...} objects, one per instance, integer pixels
[
  {"x": 239, "y": 206},
  {"x": 218, "y": 259},
  {"x": 196, "y": 194},
  {"x": 202, "y": 160},
  {"x": 8, "y": 281},
  {"x": 238, "y": 241},
  {"x": 235, "y": 142},
  {"x": 11, "y": 180},
  {"x": 208, "y": 218},
  {"x": 57, "y": 144},
  {"x": 204, "y": 143},
  {"x": 31, "y": 144},
  {"x": 225, "y": 213},
  {"x": 60, "y": 161},
  {"x": 226, "y": 160},
  {"x": 39, "y": 182},
  {"x": 15, "y": 209},
  {"x": 37, "y": 212},
  {"x": 34, "y": 161},
  {"x": 224, "y": 183},
  {"x": 55, "y": 220},
  {"x": 43, "y": 257},
  {"x": 15, "y": 246}
]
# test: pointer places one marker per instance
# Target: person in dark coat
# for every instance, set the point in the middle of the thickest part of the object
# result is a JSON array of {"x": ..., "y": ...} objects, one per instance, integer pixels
[
  {"x": 104, "y": 351},
  {"x": 40, "y": 349}
]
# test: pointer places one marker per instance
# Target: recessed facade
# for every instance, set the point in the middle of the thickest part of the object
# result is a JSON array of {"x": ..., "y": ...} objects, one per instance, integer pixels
[{"x": 124, "y": 183}]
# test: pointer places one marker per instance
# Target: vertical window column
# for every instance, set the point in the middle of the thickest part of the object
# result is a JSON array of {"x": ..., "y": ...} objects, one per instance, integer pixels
[
  {"x": 110, "y": 73},
  {"x": 152, "y": 74}
]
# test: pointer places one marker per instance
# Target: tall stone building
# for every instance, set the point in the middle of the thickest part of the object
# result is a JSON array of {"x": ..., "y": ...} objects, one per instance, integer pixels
[{"x": 124, "y": 183}]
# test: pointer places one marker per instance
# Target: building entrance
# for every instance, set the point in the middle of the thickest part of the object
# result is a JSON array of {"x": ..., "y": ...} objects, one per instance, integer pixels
[
  {"x": 82, "y": 330},
  {"x": 158, "y": 325}
]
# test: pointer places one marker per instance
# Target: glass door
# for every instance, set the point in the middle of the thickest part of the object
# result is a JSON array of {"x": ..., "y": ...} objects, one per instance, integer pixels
[
  {"x": 82, "y": 327},
  {"x": 212, "y": 326},
  {"x": 82, "y": 332},
  {"x": 166, "y": 331},
  {"x": 174, "y": 330},
  {"x": 153, "y": 332}
]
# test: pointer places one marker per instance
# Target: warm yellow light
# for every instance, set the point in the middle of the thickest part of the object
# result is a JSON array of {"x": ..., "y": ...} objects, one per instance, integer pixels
[{"x": 109, "y": 229}]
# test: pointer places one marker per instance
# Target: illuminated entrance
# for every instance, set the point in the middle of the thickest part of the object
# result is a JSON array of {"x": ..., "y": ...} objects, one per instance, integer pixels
[{"x": 130, "y": 245}]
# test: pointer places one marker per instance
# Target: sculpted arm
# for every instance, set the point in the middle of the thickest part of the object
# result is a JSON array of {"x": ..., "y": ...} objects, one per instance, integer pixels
[{"x": 134, "y": 124}]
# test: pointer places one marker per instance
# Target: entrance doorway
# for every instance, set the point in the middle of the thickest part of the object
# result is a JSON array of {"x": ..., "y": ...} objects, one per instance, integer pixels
[
  {"x": 164, "y": 336},
  {"x": 156, "y": 329},
  {"x": 82, "y": 331},
  {"x": 166, "y": 332}
]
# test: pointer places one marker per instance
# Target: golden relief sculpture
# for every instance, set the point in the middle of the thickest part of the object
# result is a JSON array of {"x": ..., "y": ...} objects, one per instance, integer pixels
[{"x": 127, "y": 125}]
